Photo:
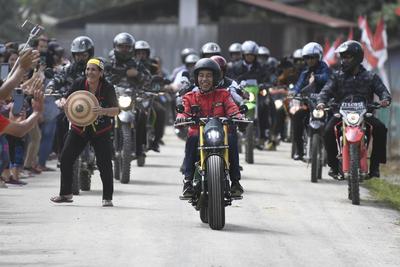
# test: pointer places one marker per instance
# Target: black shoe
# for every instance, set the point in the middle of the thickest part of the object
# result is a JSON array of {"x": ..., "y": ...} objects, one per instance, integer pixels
[
  {"x": 161, "y": 142},
  {"x": 236, "y": 189},
  {"x": 155, "y": 147},
  {"x": 374, "y": 174},
  {"x": 298, "y": 157},
  {"x": 334, "y": 173},
  {"x": 188, "y": 190},
  {"x": 374, "y": 171}
]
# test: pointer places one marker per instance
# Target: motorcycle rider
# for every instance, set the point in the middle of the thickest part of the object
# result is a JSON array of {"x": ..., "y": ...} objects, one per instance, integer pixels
[
  {"x": 263, "y": 54},
  {"x": 210, "y": 49},
  {"x": 142, "y": 54},
  {"x": 316, "y": 74},
  {"x": 212, "y": 102},
  {"x": 235, "y": 53},
  {"x": 249, "y": 68},
  {"x": 353, "y": 79},
  {"x": 124, "y": 67},
  {"x": 184, "y": 53}
]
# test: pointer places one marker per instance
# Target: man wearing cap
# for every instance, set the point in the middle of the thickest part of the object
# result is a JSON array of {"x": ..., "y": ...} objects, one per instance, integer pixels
[{"x": 97, "y": 132}]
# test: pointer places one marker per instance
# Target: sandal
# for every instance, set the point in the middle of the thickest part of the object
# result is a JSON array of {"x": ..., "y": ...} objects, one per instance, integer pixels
[{"x": 62, "y": 199}]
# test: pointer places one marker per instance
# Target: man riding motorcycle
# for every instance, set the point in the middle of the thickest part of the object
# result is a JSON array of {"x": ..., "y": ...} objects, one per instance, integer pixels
[
  {"x": 124, "y": 66},
  {"x": 142, "y": 54},
  {"x": 249, "y": 68},
  {"x": 353, "y": 79},
  {"x": 210, "y": 49},
  {"x": 212, "y": 102},
  {"x": 316, "y": 73}
]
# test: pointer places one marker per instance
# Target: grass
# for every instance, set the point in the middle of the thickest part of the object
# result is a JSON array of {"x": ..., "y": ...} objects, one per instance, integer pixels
[{"x": 384, "y": 191}]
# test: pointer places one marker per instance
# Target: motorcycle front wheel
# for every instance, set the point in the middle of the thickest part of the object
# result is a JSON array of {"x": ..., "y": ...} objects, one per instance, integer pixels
[
  {"x": 215, "y": 181},
  {"x": 126, "y": 154},
  {"x": 354, "y": 183}
]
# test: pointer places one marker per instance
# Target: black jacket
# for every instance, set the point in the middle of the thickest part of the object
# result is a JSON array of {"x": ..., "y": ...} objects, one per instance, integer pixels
[
  {"x": 365, "y": 83},
  {"x": 240, "y": 72}
]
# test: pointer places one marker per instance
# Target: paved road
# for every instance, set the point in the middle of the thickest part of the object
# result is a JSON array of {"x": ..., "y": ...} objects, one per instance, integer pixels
[{"x": 283, "y": 220}]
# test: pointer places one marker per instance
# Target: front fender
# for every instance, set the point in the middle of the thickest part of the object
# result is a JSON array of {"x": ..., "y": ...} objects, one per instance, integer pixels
[
  {"x": 126, "y": 116},
  {"x": 353, "y": 134}
]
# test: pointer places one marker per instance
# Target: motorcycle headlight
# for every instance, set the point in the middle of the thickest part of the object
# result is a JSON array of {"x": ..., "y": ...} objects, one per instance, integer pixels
[
  {"x": 252, "y": 97},
  {"x": 353, "y": 118},
  {"x": 263, "y": 92},
  {"x": 124, "y": 101},
  {"x": 318, "y": 113},
  {"x": 278, "y": 103},
  {"x": 214, "y": 137}
]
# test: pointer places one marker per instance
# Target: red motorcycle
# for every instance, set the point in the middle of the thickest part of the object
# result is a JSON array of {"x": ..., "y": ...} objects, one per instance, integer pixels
[{"x": 353, "y": 139}]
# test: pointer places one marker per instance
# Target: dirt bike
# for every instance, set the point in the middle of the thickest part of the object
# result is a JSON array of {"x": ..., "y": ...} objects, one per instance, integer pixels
[
  {"x": 124, "y": 137},
  {"x": 352, "y": 137},
  {"x": 316, "y": 128},
  {"x": 251, "y": 87},
  {"x": 211, "y": 182}
]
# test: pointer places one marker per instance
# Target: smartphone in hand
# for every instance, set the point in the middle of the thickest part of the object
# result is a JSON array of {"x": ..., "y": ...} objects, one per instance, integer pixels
[
  {"x": 18, "y": 98},
  {"x": 4, "y": 70}
]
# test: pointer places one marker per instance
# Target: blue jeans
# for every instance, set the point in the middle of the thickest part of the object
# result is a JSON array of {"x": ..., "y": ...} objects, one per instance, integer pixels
[
  {"x": 46, "y": 143},
  {"x": 4, "y": 154},
  {"x": 192, "y": 156}
]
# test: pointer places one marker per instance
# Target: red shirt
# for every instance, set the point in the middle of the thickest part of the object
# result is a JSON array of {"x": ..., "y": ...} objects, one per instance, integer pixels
[
  {"x": 4, "y": 122},
  {"x": 217, "y": 103}
]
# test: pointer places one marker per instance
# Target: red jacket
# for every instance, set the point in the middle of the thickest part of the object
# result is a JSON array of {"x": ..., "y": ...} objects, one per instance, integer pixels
[{"x": 217, "y": 103}]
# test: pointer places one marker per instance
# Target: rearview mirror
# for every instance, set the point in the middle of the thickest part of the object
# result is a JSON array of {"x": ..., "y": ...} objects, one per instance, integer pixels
[
  {"x": 243, "y": 109},
  {"x": 180, "y": 108}
]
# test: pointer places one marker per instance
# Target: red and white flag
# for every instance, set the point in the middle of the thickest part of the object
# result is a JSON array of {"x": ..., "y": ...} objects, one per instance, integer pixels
[
  {"x": 329, "y": 51},
  {"x": 375, "y": 47}
]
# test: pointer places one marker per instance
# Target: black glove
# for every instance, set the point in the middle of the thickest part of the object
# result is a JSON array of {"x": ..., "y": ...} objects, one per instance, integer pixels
[
  {"x": 242, "y": 127},
  {"x": 180, "y": 120}
]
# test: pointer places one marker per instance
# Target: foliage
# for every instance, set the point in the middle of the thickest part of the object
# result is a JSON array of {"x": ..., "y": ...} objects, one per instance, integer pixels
[
  {"x": 385, "y": 191},
  {"x": 10, "y": 21}
]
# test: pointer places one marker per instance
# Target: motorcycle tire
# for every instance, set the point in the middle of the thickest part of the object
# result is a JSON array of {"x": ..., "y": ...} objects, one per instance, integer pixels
[
  {"x": 141, "y": 160},
  {"x": 249, "y": 146},
  {"x": 215, "y": 182},
  {"x": 75, "y": 176},
  {"x": 117, "y": 155},
  {"x": 315, "y": 157},
  {"x": 204, "y": 214},
  {"x": 126, "y": 154},
  {"x": 85, "y": 179},
  {"x": 354, "y": 173}
]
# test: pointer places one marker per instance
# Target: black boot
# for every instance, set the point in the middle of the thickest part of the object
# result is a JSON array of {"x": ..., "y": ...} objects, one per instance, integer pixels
[
  {"x": 236, "y": 188},
  {"x": 188, "y": 190},
  {"x": 374, "y": 170}
]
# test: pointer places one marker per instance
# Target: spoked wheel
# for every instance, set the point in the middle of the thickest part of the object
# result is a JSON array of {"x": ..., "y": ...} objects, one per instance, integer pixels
[
  {"x": 249, "y": 147},
  {"x": 204, "y": 214},
  {"x": 354, "y": 184},
  {"x": 126, "y": 154}
]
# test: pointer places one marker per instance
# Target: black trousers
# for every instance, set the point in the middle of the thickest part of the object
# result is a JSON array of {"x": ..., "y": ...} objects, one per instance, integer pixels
[
  {"x": 300, "y": 119},
  {"x": 379, "y": 134},
  {"x": 74, "y": 145},
  {"x": 264, "y": 117},
  {"x": 159, "y": 125},
  {"x": 141, "y": 132}
]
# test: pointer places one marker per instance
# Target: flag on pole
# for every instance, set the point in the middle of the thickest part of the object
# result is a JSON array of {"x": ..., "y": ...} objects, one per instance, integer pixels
[{"x": 375, "y": 47}]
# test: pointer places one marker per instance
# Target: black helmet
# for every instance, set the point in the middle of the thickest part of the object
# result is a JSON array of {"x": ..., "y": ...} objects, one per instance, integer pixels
[
  {"x": 187, "y": 51},
  {"x": 355, "y": 50},
  {"x": 54, "y": 48},
  {"x": 126, "y": 39},
  {"x": 82, "y": 44},
  {"x": 210, "y": 49},
  {"x": 207, "y": 64}
]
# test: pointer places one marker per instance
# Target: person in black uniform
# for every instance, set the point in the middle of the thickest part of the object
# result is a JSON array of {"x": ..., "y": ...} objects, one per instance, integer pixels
[
  {"x": 98, "y": 133},
  {"x": 352, "y": 79}
]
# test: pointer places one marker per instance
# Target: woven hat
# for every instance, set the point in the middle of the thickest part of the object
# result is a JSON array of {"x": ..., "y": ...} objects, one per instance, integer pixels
[{"x": 78, "y": 108}]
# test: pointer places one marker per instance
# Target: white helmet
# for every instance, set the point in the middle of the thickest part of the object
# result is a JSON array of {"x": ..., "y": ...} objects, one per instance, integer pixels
[
  {"x": 235, "y": 48},
  {"x": 312, "y": 49},
  {"x": 142, "y": 45},
  {"x": 263, "y": 51},
  {"x": 297, "y": 54},
  {"x": 191, "y": 59},
  {"x": 249, "y": 47}
]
